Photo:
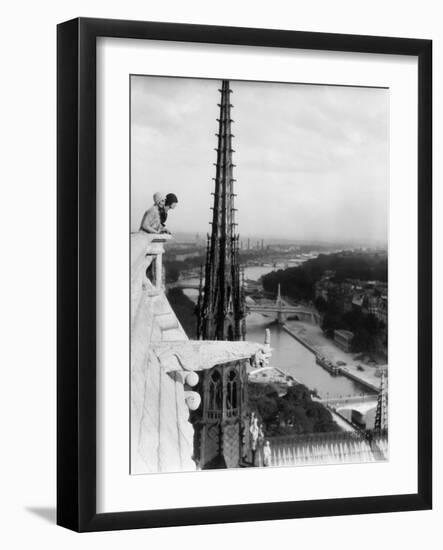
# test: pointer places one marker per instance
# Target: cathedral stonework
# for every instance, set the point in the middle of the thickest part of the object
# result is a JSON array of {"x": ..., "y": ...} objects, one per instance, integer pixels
[
  {"x": 221, "y": 305},
  {"x": 222, "y": 426},
  {"x": 221, "y": 438}
]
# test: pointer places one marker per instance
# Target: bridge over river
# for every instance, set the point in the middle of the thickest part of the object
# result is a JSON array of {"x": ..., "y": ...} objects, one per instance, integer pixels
[
  {"x": 282, "y": 311},
  {"x": 345, "y": 397},
  {"x": 350, "y": 400},
  {"x": 184, "y": 285},
  {"x": 357, "y": 409}
]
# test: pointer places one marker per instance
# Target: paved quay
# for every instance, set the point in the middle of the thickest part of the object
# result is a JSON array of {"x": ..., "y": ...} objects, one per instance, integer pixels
[{"x": 312, "y": 337}]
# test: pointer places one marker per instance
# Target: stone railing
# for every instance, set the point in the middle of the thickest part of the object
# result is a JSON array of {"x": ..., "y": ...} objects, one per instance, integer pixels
[
  {"x": 147, "y": 250},
  {"x": 165, "y": 366},
  {"x": 146, "y": 267}
]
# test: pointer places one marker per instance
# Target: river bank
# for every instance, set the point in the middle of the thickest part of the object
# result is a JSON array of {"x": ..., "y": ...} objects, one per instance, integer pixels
[
  {"x": 295, "y": 357},
  {"x": 325, "y": 351}
]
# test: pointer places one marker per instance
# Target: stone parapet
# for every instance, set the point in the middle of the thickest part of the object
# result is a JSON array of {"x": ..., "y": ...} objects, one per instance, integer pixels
[{"x": 165, "y": 365}]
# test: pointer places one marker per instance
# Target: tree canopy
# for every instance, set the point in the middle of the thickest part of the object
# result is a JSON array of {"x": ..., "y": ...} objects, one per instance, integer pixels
[
  {"x": 292, "y": 413},
  {"x": 298, "y": 282}
]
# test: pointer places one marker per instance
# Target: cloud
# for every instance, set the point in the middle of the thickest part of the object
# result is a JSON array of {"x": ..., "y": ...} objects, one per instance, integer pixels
[{"x": 311, "y": 160}]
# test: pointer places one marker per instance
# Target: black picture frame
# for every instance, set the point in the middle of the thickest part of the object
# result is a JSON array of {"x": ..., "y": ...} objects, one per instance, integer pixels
[{"x": 76, "y": 280}]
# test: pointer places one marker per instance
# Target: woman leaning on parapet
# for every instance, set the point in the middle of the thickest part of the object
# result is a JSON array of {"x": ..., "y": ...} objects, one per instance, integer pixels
[
  {"x": 151, "y": 222},
  {"x": 154, "y": 219},
  {"x": 169, "y": 204}
]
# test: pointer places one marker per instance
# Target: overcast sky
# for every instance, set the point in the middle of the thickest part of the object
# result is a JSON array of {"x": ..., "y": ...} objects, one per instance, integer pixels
[{"x": 311, "y": 161}]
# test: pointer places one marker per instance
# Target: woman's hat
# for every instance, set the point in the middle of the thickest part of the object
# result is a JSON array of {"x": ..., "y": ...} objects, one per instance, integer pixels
[{"x": 158, "y": 197}]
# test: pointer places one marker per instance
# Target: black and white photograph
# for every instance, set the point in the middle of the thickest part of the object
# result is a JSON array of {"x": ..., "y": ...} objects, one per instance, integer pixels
[{"x": 259, "y": 274}]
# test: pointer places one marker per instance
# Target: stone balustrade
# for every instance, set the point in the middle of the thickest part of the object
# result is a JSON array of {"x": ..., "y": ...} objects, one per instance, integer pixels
[{"x": 165, "y": 366}]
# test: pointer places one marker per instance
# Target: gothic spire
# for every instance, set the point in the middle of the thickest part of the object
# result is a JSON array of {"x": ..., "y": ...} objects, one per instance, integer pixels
[
  {"x": 221, "y": 303},
  {"x": 381, "y": 413}
]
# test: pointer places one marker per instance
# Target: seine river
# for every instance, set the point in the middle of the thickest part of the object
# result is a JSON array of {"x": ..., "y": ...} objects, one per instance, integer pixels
[{"x": 291, "y": 356}]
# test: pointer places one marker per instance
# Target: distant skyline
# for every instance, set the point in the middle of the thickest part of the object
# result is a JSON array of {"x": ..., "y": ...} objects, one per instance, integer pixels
[{"x": 312, "y": 162}]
